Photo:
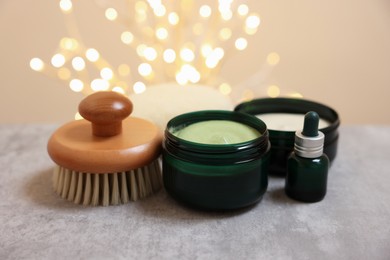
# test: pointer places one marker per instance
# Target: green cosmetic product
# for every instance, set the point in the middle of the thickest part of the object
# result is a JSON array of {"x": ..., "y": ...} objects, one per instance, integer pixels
[
  {"x": 216, "y": 160},
  {"x": 217, "y": 132},
  {"x": 307, "y": 166}
]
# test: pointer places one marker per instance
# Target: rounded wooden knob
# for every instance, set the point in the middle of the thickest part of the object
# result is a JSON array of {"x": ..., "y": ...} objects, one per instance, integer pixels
[{"x": 105, "y": 110}]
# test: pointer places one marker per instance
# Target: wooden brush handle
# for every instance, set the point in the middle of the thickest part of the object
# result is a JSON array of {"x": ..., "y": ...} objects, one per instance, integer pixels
[{"x": 105, "y": 110}]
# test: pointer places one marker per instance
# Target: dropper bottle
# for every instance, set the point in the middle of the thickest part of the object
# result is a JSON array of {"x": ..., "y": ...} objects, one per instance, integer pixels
[{"x": 307, "y": 166}]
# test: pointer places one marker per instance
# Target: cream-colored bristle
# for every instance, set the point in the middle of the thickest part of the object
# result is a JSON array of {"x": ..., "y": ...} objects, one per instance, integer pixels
[
  {"x": 79, "y": 190},
  {"x": 115, "y": 190},
  {"x": 73, "y": 185},
  {"x": 154, "y": 171},
  {"x": 65, "y": 189},
  {"x": 108, "y": 188},
  {"x": 95, "y": 195},
  {"x": 87, "y": 190},
  {"x": 124, "y": 190},
  {"x": 141, "y": 183},
  {"x": 60, "y": 181},
  {"x": 56, "y": 176},
  {"x": 133, "y": 185},
  {"x": 148, "y": 182}
]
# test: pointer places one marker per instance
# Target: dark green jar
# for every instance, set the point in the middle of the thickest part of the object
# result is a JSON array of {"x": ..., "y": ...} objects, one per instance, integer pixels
[
  {"x": 215, "y": 176},
  {"x": 282, "y": 142}
]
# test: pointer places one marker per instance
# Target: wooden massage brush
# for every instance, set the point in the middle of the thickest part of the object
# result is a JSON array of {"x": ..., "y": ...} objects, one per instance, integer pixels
[{"x": 112, "y": 162}]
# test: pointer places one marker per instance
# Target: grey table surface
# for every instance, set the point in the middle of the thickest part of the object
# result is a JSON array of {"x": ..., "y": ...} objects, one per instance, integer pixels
[{"x": 352, "y": 222}]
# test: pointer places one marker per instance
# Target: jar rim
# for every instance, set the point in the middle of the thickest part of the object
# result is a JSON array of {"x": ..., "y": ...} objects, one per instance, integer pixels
[
  {"x": 184, "y": 120},
  {"x": 238, "y": 152},
  {"x": 290, "y": 105}
]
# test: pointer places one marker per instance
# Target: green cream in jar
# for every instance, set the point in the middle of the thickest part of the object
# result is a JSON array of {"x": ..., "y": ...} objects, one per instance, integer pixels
[
  {"x": 217, "y": 132},
  {"x": 215, "y": 159}
]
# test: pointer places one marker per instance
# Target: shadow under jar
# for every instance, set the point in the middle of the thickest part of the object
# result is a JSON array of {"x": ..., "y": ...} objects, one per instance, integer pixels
[
  {"x": 282, "y": 140},
  {"x": 216, "y": 176}
]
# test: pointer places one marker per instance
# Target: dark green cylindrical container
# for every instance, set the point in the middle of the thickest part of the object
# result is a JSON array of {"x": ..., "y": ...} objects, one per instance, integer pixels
[
  {"x": 216, "y": 176},
  {"x": 282, "y": 142}
]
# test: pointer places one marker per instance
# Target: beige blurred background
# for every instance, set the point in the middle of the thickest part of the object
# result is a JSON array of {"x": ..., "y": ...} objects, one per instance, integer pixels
[{"x": 334, "y": 52}]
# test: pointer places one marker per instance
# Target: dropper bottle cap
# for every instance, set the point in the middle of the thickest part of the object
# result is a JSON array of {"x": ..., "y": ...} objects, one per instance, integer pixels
[{"x": 309, "y": 142}]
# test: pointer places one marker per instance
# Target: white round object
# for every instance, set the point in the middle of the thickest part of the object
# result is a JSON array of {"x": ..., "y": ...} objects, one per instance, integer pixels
[{"x": 160, "y": 103}]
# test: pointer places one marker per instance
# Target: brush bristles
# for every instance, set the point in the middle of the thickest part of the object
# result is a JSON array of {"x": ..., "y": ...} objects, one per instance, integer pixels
[{"x": 108, "y": 188}]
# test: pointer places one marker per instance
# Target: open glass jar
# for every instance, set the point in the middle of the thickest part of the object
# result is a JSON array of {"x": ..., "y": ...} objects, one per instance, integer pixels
[{"x": 215, "y": 176}]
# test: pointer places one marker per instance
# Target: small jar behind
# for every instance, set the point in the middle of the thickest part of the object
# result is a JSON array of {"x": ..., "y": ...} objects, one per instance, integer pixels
[
  {"x": 282, "y": 141},
  {"x": 216, "y": 176}
]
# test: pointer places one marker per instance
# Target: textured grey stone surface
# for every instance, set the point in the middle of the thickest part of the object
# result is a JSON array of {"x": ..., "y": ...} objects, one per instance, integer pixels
[{"x": 352, "y": 222}]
